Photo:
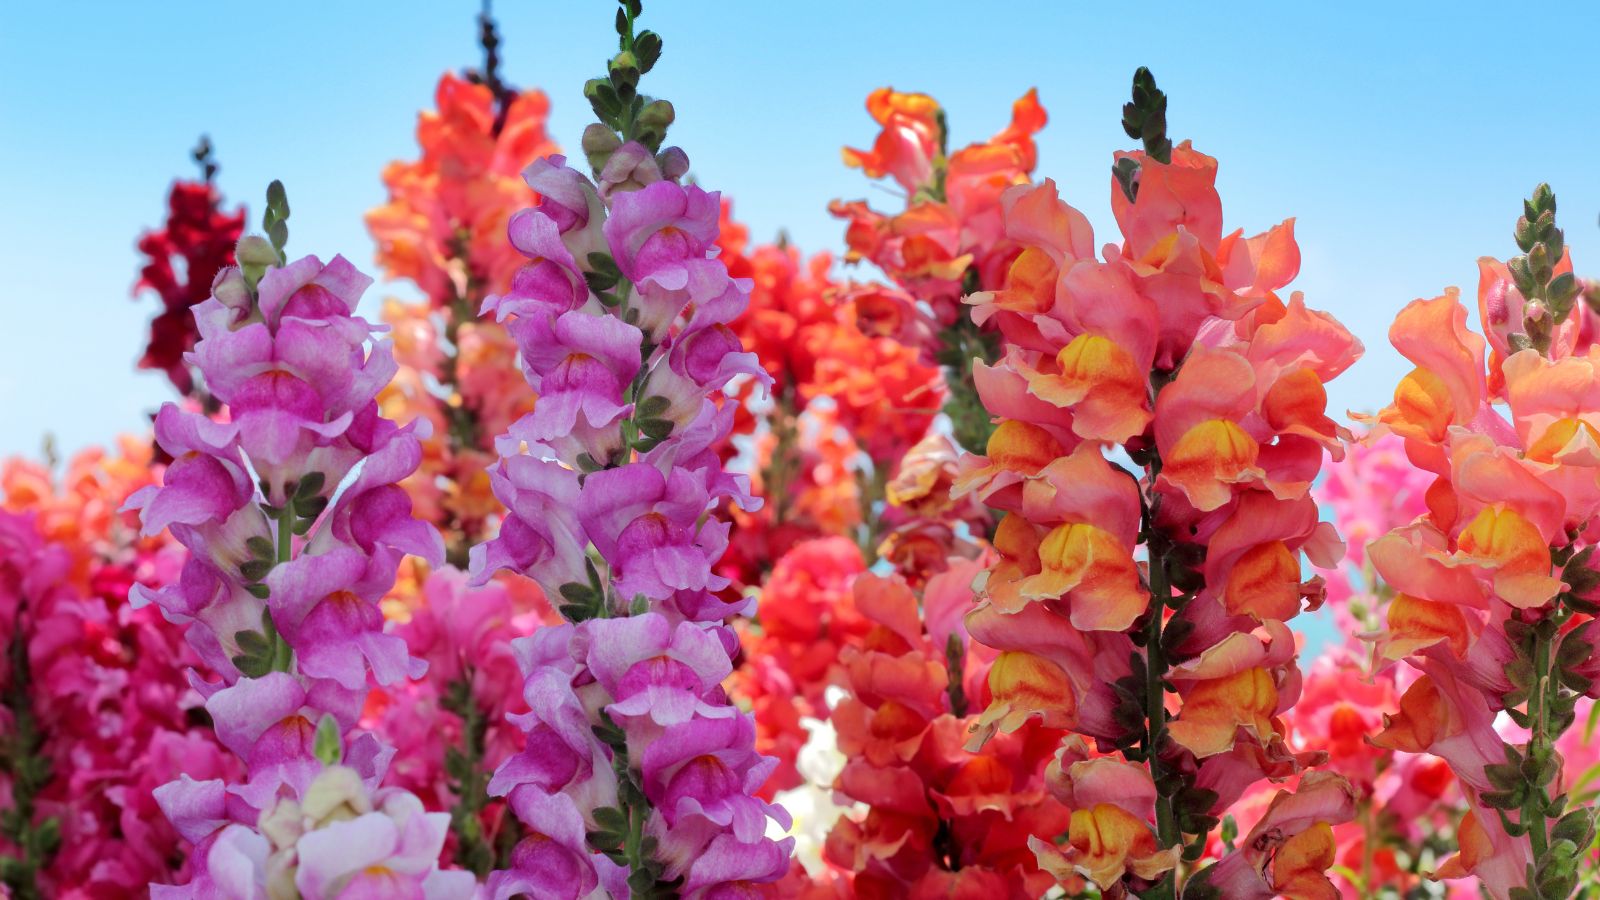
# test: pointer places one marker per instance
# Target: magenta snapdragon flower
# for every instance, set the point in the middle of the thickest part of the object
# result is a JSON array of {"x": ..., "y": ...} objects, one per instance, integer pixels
[
  {"x": 295, "y": 523},
  {"x": 638, "y": 775}
]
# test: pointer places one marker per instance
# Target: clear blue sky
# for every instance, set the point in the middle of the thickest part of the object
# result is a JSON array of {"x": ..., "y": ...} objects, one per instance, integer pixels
[{"x": 1402, "y": 140}]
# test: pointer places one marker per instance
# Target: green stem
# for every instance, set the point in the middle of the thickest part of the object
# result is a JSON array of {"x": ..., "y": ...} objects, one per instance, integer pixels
[
  {"x": 471, "y": 781},
  {"x": 282, "y": 657},
  {"x": 1155, "y": 699},
  {"x": 1155, "y": 683},
  {"x": 286, "y": 531},
  {"x": 781, "y": 467},
  {"x": 963, "y": 345},
  {"x": 872, "y": 490},
  {"x": 636, "y": 817},
  {"x": 1539, "y": 743}
]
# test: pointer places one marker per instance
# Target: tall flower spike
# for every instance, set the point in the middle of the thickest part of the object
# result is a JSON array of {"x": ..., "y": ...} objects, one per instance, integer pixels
[
  {"x": 638, "y": 774},
  {"x": 1495, "y": 582},
  {"x": 294, "y": 524},
  {"x": 1176, "y": 349}
]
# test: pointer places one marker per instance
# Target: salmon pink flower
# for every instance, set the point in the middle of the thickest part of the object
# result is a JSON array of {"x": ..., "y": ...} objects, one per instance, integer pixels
[
  {"x": 474, "y": 146},
  {"x": 1175, "y": 354}
]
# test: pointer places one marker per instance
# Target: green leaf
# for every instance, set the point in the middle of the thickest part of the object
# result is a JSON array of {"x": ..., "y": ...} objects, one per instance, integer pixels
[
  {"x": 1576, "y": 826},
  {"x": 574, "y": 592},
  {"x": 310, "y": 486},
  {"x": 258, "y": 591},
  {"x": 657, "y": 429},
  {"x": 647, "y": 47},
  {"x": 599, "y": 282},
  {"x": 602, "y": 96},
  {"x": 602, "y": 262},
  {"x": 329, "y": 744},
  {"x": 261, "y": 547},
  {"x": 611, "y": 818},
  {"x": 624, "y": 74},
  {"x": 251, "y": 666},
  {"x": 652, "y": 407},
  {"x": 574, "y": 612},
  {"x": 1125, "y": 172},
  {"x": 253, "y": 643},
  {"x": 642, "y": 881}
]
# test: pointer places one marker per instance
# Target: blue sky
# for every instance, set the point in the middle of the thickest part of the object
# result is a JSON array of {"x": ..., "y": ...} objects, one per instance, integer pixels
[{"x": 1402, "y": 140}]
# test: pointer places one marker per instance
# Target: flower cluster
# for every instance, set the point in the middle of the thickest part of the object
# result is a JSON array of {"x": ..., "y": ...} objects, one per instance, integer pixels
[
  {"x": 939, "y": 821},
  {"x": 92, "y": 721},
  {"x": 450, "y": 729},
  {"x": 295, "y": 525},
  {"x": 857, "y": 366},
  {"x": 853, "y": 446},
  {"x": 803, "y": 462},
  {"x": 443, "y": 229},
  {"x": 181, "y": 258},
  {"x": 1407, "y": 803},
  {"x": 629, "y": 557},
  {"x": 847, "y": 383},
  {"x": 99, "y": 685},
  {"x": 445, "y": 223},
  {"x": 953, "y": 222},
  {"x": 1177, "y": 349},
  {"x": 1494, "y": 588},
  {"x": 805, "y": 617},
  {"x": 638, "y": 774},
  {"x": 948, "y": 241}
]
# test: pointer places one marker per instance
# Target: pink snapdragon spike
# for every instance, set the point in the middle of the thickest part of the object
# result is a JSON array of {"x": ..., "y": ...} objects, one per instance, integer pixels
[
  {"x": 639, "y": 774},
  {"x": 295, "y": 527}
]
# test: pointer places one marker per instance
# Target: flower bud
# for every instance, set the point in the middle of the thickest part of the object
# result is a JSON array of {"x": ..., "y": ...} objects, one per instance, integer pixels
[
  {"x": 231, "y": 291},
  {"x": 599, "y": 142},
  {"x": 674, "y": 163},
  {"x": 255, "y": 251},
  {"x": 657, "y": 114}
]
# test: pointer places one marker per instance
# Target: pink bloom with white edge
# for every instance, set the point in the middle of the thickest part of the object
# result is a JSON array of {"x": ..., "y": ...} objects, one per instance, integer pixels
[
  {"x": 281, "y": 592},
  {"x": 335, "y": 837}
]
